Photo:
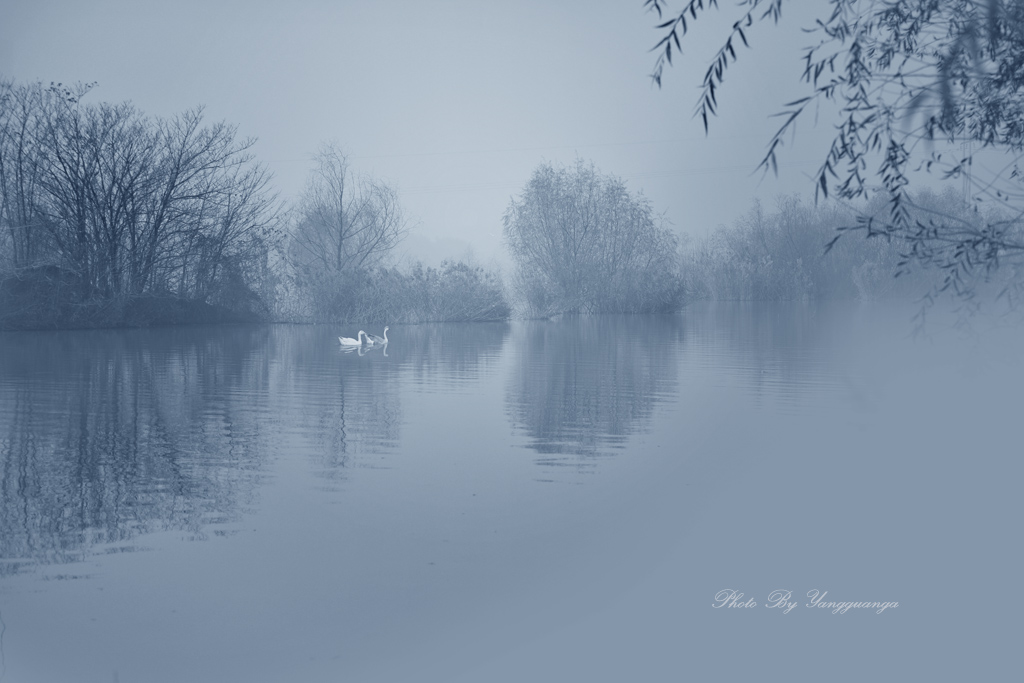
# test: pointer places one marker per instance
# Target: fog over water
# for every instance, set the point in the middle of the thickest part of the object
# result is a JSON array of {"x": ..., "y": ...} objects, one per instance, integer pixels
[
  {"x": 453, "y": 103},
  {"x": 549, "y": 500},
  {"x": 773, "y": 478}
]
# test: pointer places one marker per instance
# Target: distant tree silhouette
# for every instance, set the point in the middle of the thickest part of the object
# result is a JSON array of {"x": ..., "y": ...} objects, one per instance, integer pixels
[
  {"x": 582, "y": 244},
  {"x": 344, "y": 225}
]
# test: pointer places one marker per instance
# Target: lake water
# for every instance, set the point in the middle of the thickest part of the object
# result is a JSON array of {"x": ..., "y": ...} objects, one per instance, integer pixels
[{"x": 533, "y": 501}]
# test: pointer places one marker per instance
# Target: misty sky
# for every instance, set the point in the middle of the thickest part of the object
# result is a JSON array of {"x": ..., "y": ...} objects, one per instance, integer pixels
[{"x": 454, "y": 103}]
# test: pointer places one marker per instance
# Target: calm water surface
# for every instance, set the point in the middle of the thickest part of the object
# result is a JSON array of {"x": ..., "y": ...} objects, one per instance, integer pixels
[{"x": 544, "y": 501}]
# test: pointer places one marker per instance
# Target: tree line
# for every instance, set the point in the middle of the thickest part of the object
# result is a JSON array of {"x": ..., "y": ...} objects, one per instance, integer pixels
[
  {"x": 780, "y": 252},
  {"x": 111, "y": 217}
]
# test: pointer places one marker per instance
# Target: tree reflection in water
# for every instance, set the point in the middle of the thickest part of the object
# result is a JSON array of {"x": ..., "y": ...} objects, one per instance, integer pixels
[
  {"x": 582, "y": 385},
  {"x": 331, "y": 405},
  {"x": 780, "y": 352},
  {"x": 108, "y": 435},
  {"x": 446, "y": 355}
]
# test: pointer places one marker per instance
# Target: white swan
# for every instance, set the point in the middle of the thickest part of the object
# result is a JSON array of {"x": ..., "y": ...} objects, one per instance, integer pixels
[
  {"x": 374, "y": 339},
  {"x": 349, "y": 341}
]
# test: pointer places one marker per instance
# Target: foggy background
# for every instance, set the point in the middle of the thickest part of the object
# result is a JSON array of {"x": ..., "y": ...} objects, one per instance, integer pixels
[{"x": 454, "y": 103}]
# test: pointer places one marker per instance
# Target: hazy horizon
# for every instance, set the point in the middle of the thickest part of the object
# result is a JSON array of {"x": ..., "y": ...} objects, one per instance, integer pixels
[{"x": 453, "y": 104}]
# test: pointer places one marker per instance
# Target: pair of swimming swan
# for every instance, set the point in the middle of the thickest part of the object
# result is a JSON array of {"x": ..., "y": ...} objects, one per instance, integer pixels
[{"x": 370, "y": 339}]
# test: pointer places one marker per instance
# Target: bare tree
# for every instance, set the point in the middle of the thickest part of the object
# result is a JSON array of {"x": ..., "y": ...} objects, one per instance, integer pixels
[
  {"x": 346, "y": 222},
  {"x": 213, "y": 206},
  {"x": 344, "y": 225},
  {"x": 127, "y": 207},
  {"x": 21, "y": 109}
]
